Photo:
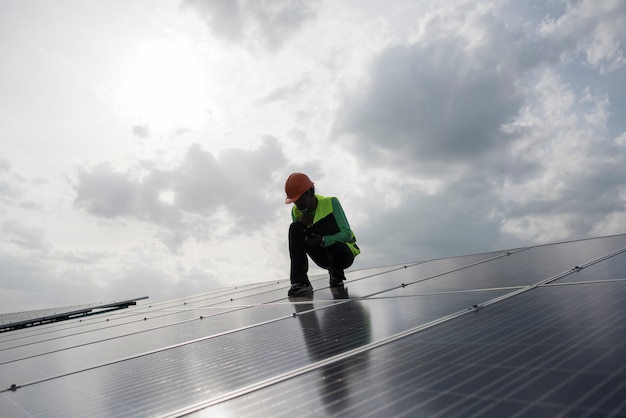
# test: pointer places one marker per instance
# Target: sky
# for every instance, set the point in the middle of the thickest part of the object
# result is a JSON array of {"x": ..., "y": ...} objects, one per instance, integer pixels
[{"x": 144, "y": 144}]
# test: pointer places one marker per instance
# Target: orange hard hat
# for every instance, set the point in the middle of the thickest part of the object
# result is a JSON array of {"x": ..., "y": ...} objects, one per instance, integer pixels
[{"x": 296, "y": 184}]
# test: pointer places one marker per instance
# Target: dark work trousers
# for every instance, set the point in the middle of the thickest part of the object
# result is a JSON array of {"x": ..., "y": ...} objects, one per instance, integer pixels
[{"x": 334, "y": 258}]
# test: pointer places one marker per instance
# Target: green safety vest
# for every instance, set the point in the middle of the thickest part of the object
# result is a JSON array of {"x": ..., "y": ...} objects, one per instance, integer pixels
[{"x": 325, "y": 223}]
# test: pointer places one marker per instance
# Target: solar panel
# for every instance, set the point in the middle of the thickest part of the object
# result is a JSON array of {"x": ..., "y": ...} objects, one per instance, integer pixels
[
  {"x": 613, "y": 268},
  {"x": 9, "y": 322},
  {"x": 536, "y": 331}
]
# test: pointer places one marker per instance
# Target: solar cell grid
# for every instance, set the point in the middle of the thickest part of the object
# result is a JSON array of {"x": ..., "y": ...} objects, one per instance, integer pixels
[{"x": 408, "y": 342}]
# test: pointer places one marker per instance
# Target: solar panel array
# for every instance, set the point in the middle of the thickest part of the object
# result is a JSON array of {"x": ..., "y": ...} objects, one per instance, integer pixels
[{"x": 536, "y": 331}]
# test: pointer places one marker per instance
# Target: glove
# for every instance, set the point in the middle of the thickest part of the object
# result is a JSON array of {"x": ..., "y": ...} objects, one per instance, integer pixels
[{"x": 314, "y": 240}]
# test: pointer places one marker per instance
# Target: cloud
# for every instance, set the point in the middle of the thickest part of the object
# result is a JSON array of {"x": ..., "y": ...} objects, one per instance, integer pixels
[
  {"x": 277, "y": 20},
  {"x": 444, "y": 127},
  {"x": 488, "y": 141},
  {"x": 426, "y": 112},
  {"x": 223, "y": 17},
  {"x": 190, "y": 199},
  {"x": 104, "y": 192},
  {"x": 63, "y": 279},
  {"x": 436, "y": 100},
  {"x": 37, "y": 274},
  {"x": 141, "y": 131},
  {"x": 592, "y": 28},
  {"x": 444, "y": 96},
  {"x": 269, "y": 23},
  {"x": 287, "y": 93},
  {"x": 239, "y": 181},
  {"x": 22, "y": 273},
  {"x": 10, "y": 182},
  {"x": 15, "y": 188},
  {"x": 577, "y": 184},
  {"x": 25, "y": 236},
  {"x": 423, "y": 226}
]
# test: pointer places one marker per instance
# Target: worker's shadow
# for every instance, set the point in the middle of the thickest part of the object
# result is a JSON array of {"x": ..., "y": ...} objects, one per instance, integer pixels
[{"x": 330, "y": 331}]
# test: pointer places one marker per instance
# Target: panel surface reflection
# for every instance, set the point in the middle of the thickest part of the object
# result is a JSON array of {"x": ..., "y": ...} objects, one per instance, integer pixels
[{"x": 548, "y": 352}]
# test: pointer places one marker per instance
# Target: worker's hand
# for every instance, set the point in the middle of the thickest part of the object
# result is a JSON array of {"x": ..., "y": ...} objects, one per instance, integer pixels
[
  {"x": 306, "y": 219},
  {"x": 314, "y": 240}
]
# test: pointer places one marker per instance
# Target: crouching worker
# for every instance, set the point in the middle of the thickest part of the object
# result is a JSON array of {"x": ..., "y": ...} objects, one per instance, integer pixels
[{"x": 320, "y": 230}]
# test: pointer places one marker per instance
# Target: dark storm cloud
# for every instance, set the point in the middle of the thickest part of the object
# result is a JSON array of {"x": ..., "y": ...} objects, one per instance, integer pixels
[
  {"x": 268, "y": 22},
  {"x": 239, "y": 181},
  {"x": 424, "y": 110},
  {"x": 444, "y": 97}
]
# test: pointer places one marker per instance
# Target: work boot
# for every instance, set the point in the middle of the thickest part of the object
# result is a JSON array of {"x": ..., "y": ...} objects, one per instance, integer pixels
[
  {"x": 299, "y": 289},
  {"x": 335, "y": 281}
]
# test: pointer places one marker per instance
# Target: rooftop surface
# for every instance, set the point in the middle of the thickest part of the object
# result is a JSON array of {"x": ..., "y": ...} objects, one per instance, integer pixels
[{"x": 538, "y": 331}]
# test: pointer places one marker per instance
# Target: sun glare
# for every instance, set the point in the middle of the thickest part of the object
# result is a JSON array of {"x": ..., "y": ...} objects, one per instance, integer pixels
[{"x": 165, "y": 85}]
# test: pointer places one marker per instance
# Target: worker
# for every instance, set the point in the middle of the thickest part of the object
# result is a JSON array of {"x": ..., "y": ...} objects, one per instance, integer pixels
[{"x": 320, "y": 230}]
